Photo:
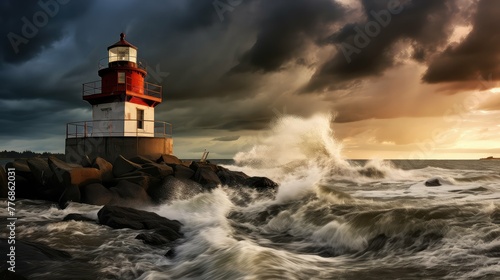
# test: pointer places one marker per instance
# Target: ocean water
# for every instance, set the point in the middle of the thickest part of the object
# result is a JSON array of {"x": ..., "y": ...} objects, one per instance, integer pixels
[{"x": 329, "y": 219}]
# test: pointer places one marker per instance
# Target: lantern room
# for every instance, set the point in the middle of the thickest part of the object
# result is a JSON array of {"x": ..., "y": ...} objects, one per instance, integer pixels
[{"x": 122, "y": 51}]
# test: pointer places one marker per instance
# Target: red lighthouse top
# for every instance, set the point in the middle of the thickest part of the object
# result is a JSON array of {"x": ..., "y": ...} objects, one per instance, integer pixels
[
  {"x": 123, "y": 79},
  {"x": 122, "y": 43}
]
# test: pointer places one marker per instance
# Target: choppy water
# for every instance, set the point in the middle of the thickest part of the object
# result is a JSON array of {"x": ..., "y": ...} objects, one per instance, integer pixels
[{"x": 329, "y": 219}]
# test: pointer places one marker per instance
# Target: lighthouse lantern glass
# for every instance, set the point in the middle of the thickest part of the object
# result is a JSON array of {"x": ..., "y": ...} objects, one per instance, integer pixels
[{"x": 122, "y": 54}]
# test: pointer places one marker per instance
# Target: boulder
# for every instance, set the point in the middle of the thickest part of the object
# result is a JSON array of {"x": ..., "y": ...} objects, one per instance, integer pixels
[
  {"x": 95, "y": 194},
  {"x": 86, "y": 162},
  {"x": 157, "y": 170},
  {"x": 231, "y": 178},
  {"x": 433, "y": 182},
  {"x": 59, "y": 167},
  {"x": 141, "y": 160},
  {"x": 105, "y": 167},
  {"x": 3, "y": 183},
  {"x": 123, "y": 166},
  {"x": 195, "y": 165},
  {"x": 260, "y": 183},
  {"x": 81, "y": 176},
  {"x": 40, "y": 169},
  {"x": 70, "y": 194},
  {"x": 129, "y": 191},
  {"x": 169, "y": 233},
  {"x": 78, "y": 218},
  {"x": 169, "y": 159},
  {"x": 206, "y": 177},
  {"x": 28, "y": 189},
  {"x": 31, "y": 254},
  {"x": 183, "y": 172},
  {"x": 144, "y": 181},
  {"x": 28, "y": 186},
  {"x": 21, "y": 166},
  {"x": 173, "y": 188},
  {"x": 123, "y": 217}
]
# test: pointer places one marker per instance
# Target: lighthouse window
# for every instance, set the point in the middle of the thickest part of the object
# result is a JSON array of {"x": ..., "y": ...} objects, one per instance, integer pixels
[
  {"x": 121, "y": 77},
  {"x": 140, "y": 119}
]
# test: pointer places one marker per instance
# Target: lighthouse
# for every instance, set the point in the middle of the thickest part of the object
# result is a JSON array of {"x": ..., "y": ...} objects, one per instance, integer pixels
[{"x": 123, "y": 111}]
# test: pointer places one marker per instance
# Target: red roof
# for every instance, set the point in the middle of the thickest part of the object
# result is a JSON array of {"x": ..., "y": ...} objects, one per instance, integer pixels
[{"x": 122, "y": 43}]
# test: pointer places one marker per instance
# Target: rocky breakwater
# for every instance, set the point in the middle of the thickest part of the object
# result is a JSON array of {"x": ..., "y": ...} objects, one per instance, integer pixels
[
  {"x": 124, "y": 185},
  {"x": 137, "y": 182}
]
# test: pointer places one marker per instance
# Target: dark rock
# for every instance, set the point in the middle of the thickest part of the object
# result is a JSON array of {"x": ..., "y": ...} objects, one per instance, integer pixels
[
  {"x": 183, "y": 172},
  {"x": 151, "y": 157},
  {"x": 169, "y": 159},
  {"x": 169, "y": 233},
  {"x": 34, "y": 252},
  {"x": 105, "y": 167},
  {"x": 122, "y": 217},
  {"x": 170, "y": 253},
  {"x": 173, "y": 189},
  {"x": 86, "y": 162},
  {"x": 129, "y": 194},
  {"x": 260, "y": 183},
  {"x": 78, "y": 218},
  {"x": 95, "y": 194},
  {"x": 231, "y": 178},
  {"x": 71, "y": 193},
  {"x": 153, "y": 239},
  {"x": 196, "y": 164},
  {"x": 59, "y": 167},
  {"x": 433, "y": 182},
  {"x": 142, "y": 180},
  {"x": 3, "y": 183},
  {"x": 141, "y": 160},
  {"x": 157, "y": 170},
  {"x": 81, "y": 176},
  {"x": 40, "y": 169},
  {"x": 33, "y": 258},
  {"x": 207, "y": 177},
  {"x": 123, "y": 166},
  {"x": 28, "y": 189},
  {"x": 128, "y": 190},
  {"x": 21, "y": 166}
]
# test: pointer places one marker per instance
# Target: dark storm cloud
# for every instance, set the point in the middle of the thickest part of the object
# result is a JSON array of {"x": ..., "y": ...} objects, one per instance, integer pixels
[
  {"x": 284, "y": 29},
  {"x": 425, "y": 23},
  {"x": 28, "y": 27},
  {"x": 217, "y": 72},
  {"x": 478, "y": 55},
  {"x": 227, "y": 138}
]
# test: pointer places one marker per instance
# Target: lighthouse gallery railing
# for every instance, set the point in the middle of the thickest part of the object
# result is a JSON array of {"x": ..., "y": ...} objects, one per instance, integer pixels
[
  {"x": 118, "y": 128},
  {"x": 149, "y": 89}
]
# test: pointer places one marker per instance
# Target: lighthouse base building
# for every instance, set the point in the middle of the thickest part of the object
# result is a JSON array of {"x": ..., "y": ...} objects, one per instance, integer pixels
[{"x": 123, "y": 118}]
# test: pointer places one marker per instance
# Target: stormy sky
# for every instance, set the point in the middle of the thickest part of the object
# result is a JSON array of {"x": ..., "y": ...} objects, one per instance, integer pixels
[{"x": 403, "y": 79}]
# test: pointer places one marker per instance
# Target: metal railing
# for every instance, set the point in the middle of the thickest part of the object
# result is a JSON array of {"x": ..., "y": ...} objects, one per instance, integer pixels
[
  {"x": 149, "y": 89},
  {"x": 119, "y": 127}
]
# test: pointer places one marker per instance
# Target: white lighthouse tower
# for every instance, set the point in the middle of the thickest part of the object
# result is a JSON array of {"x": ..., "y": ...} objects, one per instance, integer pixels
[{"x": 123, "y": 117}]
